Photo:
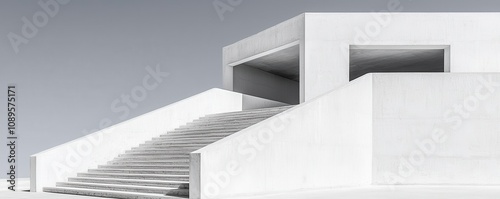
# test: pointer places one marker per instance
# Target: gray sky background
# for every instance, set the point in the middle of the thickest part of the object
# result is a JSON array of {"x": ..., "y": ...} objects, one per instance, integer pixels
[{"x": 93, "y": 51}]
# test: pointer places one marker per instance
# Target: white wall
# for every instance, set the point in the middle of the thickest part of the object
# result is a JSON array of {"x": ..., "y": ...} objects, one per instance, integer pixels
[
  {"x": 386, "y": 128},
  {"x": 421, "y": 136},
  {"x": 472, "y": 37},
  {"x": 325, "y": 38},
  {"x": 60, "y": 162},
  {"x": 322, "y": 143}
]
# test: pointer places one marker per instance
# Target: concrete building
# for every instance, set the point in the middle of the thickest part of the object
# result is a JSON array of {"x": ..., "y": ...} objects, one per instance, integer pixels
[{"x": 323, "y": 100}]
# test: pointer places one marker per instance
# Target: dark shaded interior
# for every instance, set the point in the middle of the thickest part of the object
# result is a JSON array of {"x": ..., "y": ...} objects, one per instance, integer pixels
[
  {"x": 363, "y": 61},
  {"x": 274, "y": 76}
]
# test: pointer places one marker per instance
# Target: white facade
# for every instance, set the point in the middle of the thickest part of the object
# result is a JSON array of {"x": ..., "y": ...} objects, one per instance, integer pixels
[
  {"x": 382, "y": 99},
  {"x": 322, "y": 42},
  {"x": 435, "y": 122}
]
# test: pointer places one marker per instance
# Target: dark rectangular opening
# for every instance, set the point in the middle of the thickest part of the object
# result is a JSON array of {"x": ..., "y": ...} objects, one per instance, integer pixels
[{"x": 363, "y": 61}]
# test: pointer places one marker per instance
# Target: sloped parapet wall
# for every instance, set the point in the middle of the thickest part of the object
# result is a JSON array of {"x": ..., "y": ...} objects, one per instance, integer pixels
[
  {"x": 66, "y": 160},
  {"x": 322, "y": 143},
  {"x": 380, "y": 129}
]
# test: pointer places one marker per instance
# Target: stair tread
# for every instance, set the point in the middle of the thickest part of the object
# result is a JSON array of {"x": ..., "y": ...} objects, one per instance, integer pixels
[
  {"x": 106, "y": 169},
  {"x": 135, "y": 174},
  {"x": 131, "y": 180},
  {"x": 118, "y": 185},
  {"x": 159, "y": 168},
  {"x": 108, "y": 193}
]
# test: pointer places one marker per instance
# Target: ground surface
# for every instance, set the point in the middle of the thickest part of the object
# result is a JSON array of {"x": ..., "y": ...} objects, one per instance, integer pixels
[
  {"x": 22, "y": 192},
  {"x": 374, "y": 192},
  {"x": 400, "y": 192}
]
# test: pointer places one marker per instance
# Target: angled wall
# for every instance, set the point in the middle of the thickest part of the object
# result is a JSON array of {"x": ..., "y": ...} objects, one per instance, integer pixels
[
  {"x": 436, "y": 129},
  {"x": 379, "y": 129},
  {"x": 322, "y": 143}
]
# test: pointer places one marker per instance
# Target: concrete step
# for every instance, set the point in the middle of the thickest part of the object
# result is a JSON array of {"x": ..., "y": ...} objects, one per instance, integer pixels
[
  {"x": 157, "y": 162},
  {"x": 187, "y": 140},
  {"x": 171, "y": 155},
  {"x": 202, "y": 130},
  {"x": 156, "y": 183},
  {"x": 212, "y": 121},
  {"x": 136, "y": 176},
  {"x": 253, "y": 111},
  {"x": 192, "y": 139},
  {"x": 142, "y": 150},
  {"x": 174, "y": 144},
  {"x": 210, "y": 128},
  {"x": 171, "y": 144},
  {"x": 146, "y": 166},
  {"x": 142, "y": 171},
  {"x": 149, "y": 158},
  {"x": 152, "y": 147},
  {"x": 162, "y": 145},
  {"x": 205, "y": 130},
  {"x": 108, "y": 194},
  {"x": 178, "y": 145},
  {"x": 241, "y": 118},
  {"x": 201, "y": 136},
  {"x": 128, "y": 188},
  {"x": 159, "y": 152},
  {"x": 221, "y": 123},
  {"x": 165, "y": 151}
]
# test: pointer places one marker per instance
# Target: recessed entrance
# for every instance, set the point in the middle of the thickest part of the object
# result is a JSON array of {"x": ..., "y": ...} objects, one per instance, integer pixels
[
  {"x": 272, "y": 75},
  {"x": 370, "y": 59}
]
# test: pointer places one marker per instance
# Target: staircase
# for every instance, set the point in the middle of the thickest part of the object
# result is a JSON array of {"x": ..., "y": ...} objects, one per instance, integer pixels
[{"x": 159, "y": 168}]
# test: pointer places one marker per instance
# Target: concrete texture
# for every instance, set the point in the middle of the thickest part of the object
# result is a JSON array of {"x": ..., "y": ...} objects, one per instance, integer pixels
[
  {"x": 329, "y": 36},
  {"x": 59, "y": 163},
  {"x": 322, "y": 143},
  {"x": 423, "y": 128},
  {"x": 325, "y": 40},
  {"x": 379, "y": 129},
  {"x": 160, "y": 167},
  {"x": 436, "y": 128}
]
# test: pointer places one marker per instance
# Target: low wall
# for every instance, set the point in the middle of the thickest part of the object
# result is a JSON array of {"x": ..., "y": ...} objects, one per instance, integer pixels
[
  {"x": 323, "y": 143},
  {"x": 380, "y": 129},
  {"x": 439, "y": 128},
  {"x": 60, "y": 162}
]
